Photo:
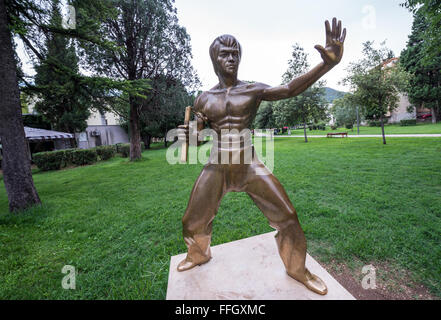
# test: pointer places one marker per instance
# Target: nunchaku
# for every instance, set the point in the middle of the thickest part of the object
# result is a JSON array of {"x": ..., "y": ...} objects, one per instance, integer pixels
[{"x": 184, "y": 150}]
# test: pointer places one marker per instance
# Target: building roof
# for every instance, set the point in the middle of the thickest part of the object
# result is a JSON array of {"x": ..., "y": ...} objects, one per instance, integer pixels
[{"x": 35, "y": 134}]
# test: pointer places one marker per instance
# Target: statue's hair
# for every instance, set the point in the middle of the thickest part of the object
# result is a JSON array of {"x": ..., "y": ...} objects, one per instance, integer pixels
[{"x": 226, "y": 40}]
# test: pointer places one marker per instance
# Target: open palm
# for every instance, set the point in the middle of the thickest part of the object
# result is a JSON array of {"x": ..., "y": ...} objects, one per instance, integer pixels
[{"x": 335, "y": 37}]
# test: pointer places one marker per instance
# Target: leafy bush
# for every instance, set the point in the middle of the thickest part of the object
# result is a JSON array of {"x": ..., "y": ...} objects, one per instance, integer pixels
[
  {"x": 51, "y": 160},
  {"x": 410, "y": 122},
  {"x": 84, "y": 156},
  {"x": 334, "y": 127},
  {"x": 124, "y": 149},
  {"x": 320, "y": 126},
  {"x": 105, "y": 152},
  {"x": 349, "y": 126},
  {"x": 68, "y": 156},
  {"x": 375, "y": 123}
]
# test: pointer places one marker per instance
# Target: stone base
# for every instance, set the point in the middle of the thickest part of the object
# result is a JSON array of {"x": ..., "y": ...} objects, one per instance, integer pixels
[{"x": 247, "y": 269}]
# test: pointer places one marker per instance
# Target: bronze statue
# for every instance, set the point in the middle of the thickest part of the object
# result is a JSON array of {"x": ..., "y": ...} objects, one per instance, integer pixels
[{"x": 232, "y": 104}]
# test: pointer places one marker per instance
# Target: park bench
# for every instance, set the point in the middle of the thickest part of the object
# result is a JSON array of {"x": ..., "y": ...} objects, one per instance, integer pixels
[{"x": 343, "y": 134}]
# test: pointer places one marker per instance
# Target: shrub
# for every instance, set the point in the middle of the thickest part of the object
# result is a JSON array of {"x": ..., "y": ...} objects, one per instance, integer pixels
[
  {"x": 124, "y": 149},
  {"x": 84, "y": 156},
  {"x": 375, "y": 123},
  {"x": 410, "y": 122},
  {"x": 105, "y": 152},
  {"x": 51, "y": 160},
  {"x": 349, "y": 126},
  {"x": 68, "y": 157},
  {"x": 334, "y": 127}
]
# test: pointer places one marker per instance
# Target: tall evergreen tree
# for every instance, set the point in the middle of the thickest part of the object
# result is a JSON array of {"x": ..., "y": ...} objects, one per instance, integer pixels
[
  {"x": 431, "y": 10},
  {"x": 425, "y": 83},
  {"x": 63, "y": 101}
]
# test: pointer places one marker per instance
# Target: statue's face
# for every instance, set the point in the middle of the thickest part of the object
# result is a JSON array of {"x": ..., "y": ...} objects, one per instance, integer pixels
[{"x": 228, "y": 60}]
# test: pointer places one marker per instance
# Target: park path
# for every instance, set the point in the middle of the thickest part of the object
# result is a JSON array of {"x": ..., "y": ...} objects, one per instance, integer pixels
[{"x": 371, "y": 136}]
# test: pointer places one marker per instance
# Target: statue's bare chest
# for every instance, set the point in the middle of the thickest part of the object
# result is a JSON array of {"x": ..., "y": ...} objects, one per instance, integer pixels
[{"x": 222, "y": 106}]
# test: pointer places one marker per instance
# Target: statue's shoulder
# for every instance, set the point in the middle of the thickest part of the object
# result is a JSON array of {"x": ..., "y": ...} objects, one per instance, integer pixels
[
  {"x": 258, "y": 86},
  {"x": 200, "y": 101}
]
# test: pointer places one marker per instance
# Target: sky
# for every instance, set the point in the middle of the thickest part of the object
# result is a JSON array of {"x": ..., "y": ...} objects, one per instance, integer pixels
[{"x": 267, "y": 29}]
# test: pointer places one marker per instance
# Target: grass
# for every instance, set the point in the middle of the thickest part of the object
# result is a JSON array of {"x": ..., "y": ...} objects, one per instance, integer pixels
[
  {"x": 420, "y": 128},
  {"x": 119, "y": 222}
]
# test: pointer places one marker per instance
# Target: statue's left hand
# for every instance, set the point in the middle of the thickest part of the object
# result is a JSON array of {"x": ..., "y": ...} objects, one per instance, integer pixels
[{"x": 335, "y": 37}]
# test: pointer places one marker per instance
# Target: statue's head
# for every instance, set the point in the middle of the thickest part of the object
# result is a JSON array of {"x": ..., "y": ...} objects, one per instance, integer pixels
[{"x": 225, "y": 54}]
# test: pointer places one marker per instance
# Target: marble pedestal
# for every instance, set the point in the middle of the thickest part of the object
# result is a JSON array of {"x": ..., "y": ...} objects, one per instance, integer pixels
[{"x": 247, "y": 269}]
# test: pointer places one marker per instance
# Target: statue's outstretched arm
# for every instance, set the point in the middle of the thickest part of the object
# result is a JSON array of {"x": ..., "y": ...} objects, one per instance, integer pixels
[{"x": 331, "y": 55}]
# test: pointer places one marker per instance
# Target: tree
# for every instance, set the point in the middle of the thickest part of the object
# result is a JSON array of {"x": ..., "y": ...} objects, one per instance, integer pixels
[
  {"x": 63, "y": 102},
  {"x": 152, "y": 46},
  {"x": 376, "y": 84},
  {"x": 309, "y": 106},
  {"x": 265, "y": 116},
  {"x": 425, "y": 83},
  {"x": 344, "y": 111},
  {"x": 431, "y": 10},
  {"x": 15, "y": 163},
  {"x": 165, "y": 113}
]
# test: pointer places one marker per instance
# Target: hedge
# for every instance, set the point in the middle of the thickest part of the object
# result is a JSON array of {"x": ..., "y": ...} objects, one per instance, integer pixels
[
  {"x": 410, "y": 122},
  {"x": 51, "y": 160},
  {"x": 124, "y": 149},
  {"x": 55, "y": 160},
  {"x": 106, "y": 152},
  {"x": 84, "y": 156},
  {"x": 375, "y": 123}
]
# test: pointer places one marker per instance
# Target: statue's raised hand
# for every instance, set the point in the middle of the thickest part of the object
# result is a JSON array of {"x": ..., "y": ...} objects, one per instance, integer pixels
[{"x": 335, "y": 37}]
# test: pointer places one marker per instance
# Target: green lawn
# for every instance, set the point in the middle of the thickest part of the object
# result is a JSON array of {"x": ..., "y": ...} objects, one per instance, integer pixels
[
  {"x": 421, "y": 128},
  {"x": 118, "y": 222}
]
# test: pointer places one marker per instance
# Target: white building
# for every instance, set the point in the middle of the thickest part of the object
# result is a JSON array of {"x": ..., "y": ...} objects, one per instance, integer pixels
[{"x": 102, "y": 129}]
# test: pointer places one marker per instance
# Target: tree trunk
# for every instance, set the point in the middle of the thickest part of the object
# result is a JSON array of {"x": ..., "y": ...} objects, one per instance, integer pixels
[
  {"x": 147, "y": 141},
  {"x": 165, "y": 140},
  {"x": 304, "y": 130},
  {"x": 135, "y": 132},
  {"x": 16, "y": 166},
  {"x": 433, "y": 115},
  {"x": 382, "y": 129}
]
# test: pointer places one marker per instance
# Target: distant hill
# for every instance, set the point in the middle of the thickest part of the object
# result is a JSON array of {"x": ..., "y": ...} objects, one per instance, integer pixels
[{"x": 332, "y": 94}]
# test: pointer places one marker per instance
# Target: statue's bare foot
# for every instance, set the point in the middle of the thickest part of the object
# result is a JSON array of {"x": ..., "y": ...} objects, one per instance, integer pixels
[
  {"x": 312, "y": 282},
  {"x": 187, "y": 264}
]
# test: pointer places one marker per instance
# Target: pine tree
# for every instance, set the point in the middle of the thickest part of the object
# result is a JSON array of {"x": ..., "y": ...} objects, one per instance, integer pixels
[
  {"x": 425, "y": 85},
  {"x": 63, "y": 102}
]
